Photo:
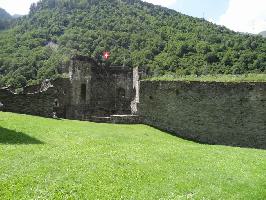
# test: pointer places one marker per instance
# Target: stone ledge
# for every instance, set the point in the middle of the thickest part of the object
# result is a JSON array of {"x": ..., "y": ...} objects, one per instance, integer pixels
[{"x": 116, "y": 119}]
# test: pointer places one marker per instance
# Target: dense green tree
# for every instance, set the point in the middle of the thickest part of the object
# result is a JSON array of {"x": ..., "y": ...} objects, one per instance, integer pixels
[{"x": 39, "y": 45}]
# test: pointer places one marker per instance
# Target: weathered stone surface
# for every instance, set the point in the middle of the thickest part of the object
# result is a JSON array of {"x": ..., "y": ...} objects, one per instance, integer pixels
[
  {"x": 37, "y": 103},
  {"x": 90, "y": 90},
  {"x": 116, "y": 119},
  {"x": 106, "y": 90},
  {"x": 215, "y": 113}
]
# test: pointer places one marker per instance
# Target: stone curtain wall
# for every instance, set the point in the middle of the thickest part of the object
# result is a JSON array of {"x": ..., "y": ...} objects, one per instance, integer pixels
[
  {"x": 214, "y": 113},
  {"x": 40, "y": 104},
  {"x": 35, "y": 102}
]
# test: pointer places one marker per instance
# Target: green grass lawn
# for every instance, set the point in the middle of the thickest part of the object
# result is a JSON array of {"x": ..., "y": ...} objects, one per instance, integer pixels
[{"x": 61, "y": 159}]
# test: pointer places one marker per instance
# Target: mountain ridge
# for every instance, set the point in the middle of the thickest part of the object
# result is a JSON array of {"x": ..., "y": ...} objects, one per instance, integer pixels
[
  {"x": 135, "y": 32},
  {"x": 4, "y": 14},
  {"x": 6, "y": 19}
]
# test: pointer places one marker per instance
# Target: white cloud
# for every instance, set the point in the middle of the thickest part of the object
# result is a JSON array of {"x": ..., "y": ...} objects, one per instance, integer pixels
[
  {"x": 21, "y": 7},
  {"x": 162, "y": 2},
  {"x": 245, "y": 16}
]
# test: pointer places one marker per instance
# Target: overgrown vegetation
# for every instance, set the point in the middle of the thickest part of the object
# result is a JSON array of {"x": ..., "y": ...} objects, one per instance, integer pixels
[
  {"x": 61, "y": 159},
  {"x": 212, "y": 78},
  {"x": 136, "y": 33}
]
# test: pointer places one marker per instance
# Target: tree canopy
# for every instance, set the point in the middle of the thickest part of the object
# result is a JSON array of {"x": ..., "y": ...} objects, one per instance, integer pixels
[{"x": 39, "y": 45}]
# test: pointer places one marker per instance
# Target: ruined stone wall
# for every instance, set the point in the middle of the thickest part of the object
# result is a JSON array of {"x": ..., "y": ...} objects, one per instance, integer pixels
[
  {"x": 112, "y": 91},
  {"x": 214, "y": 113},
  {"x": 122, "y": 89},
  {"x": 80, "y": 72},
  {"x": 40, "y": 104},
  {"x": 36, "y": 102},
  {"x": 102, "y": 100},
  {"x": 97, "y": 90},
  {"x": 90, "y": 90}
]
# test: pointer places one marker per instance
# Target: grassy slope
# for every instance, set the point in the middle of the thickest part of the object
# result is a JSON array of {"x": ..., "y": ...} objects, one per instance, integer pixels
[{"x": 50, "y": 159}]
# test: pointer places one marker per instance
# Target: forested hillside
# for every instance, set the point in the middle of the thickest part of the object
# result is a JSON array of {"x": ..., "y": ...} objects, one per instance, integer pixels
[{"x": 136, "y": 34}]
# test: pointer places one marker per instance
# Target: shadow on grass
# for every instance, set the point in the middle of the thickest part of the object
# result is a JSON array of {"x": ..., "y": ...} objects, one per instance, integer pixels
[{"x": 12, "y": 137}]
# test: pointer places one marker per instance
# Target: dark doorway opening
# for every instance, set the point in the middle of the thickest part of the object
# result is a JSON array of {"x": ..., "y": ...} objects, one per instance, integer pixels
[{"x": 83, "y": 93}]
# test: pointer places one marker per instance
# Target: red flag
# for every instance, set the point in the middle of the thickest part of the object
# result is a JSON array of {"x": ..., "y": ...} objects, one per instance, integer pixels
[{"x": 106, "y": 55}]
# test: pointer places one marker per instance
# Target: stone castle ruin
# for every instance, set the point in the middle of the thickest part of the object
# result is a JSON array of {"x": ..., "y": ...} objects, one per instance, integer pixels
[
  {"x": 208, "y": 112},
  {"x": 90, "y": 92},
  {"x": 97, "y": 91}
]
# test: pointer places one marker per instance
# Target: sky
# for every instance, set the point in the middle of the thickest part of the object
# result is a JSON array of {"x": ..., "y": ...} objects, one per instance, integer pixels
[{"x": 238, "y": 15}]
